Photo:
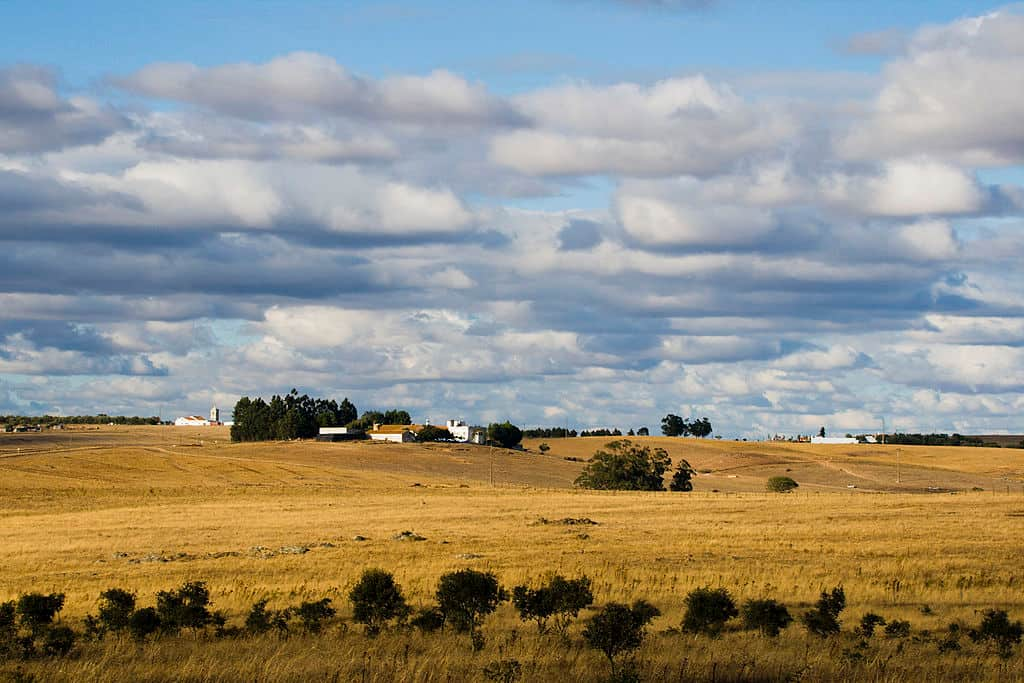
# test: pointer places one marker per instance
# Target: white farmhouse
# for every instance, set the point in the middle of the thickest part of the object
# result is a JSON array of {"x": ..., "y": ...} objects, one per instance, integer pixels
[
  {"x": 394, "y": 433},
  {"x": 459, "y": 430},
  {"x": 192, "y": 421},
  {"x": 833, "y": 439}
]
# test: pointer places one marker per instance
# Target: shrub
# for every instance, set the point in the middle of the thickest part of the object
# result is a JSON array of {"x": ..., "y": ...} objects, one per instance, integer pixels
[
  {"x": 561, "y": 599},
  {"x": 261, "y": 620},
  {"x": 707, "y": 610},
  {"x": 432, "y": 433},
  {"x": 823, "y": 620},
  {"x": 624, "y": 466},
  {"x": 37, "y": 611},
  {"x": 681, "y": 479},
  {"x": 465, "y": 597},
  {"x": 998, "y": 631},
  {"x": 897, "y": 629},
  {"x": 544, "y": 448},
  {"x": 619, "y": 629},
  {"x": 116, "y": 607},
  {"x": 8, "y": 630},
  {"x": 58, "y": 641},
  {"x": 503, "y": 671},
  {"x": 868, "y": 623},
  {"x": 428, "y": 619},
  {"x": 767, "y": 616},
  {"x": 781, "y": 484},
  {"x": 143, "y": 622},
  {"x": 376, "y": 600},
  {"x": 187, "y": 607},
  {"x": 314, "y": 614}
]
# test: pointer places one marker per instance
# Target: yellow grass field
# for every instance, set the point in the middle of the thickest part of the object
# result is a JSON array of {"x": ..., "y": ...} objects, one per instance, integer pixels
[{"x": 147, "y": 508}]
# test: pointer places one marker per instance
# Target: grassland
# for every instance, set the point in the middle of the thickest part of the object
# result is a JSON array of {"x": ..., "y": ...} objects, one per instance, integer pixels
[{"x": 148, "y": 508}]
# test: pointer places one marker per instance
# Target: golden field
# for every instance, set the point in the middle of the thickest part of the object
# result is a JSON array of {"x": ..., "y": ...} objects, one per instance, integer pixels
[{"x": 147, "y": 508}]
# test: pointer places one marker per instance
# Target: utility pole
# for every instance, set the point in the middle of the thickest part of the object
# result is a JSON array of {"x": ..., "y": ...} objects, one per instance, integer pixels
[
  {"x": 898, "y": 465},
  {"x": 491, "y": 453},
  {"x": 883, "y": 431}
]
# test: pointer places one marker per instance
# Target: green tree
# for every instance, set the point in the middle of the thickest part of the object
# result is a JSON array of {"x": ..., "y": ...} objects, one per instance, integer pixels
[
  {"x": 823, "y": 619},
  {"x": 767, "y": 616},
  {"x": 707, "y": 611},
  {"x": 619, "y": 629},
  {"x": 643, "y": 431},
  {"x": 376, "y": 600},
  {"x": 559, "y": 600},
  {"x": 681, "y": 479},
  {"x": 432, "y": 433},
  {"x": 781, "y": 484},
  {"x": 504, "y": 434},
  {"x": 673, "y": 425},
  {"x": 623, "y": 465},
  {"x": 116, "y": 607},
  {"x": 700, "y": 428},
  {"x": 465, "y": 597}
]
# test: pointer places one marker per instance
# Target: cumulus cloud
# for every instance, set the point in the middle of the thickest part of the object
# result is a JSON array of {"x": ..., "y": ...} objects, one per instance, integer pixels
[
  {"x": 35, "y": 118},
  {"x": 679, "y": 125},
  {"x": 956, "y": 93},
  {"x": 306, "y": 85}
]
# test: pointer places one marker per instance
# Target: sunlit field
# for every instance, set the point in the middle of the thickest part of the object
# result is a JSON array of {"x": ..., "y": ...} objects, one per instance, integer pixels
[{"x": 149, "y": 508}]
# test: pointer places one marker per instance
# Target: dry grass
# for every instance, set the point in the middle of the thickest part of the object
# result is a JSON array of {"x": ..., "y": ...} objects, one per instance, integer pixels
[{"x": 145, "y": 509}]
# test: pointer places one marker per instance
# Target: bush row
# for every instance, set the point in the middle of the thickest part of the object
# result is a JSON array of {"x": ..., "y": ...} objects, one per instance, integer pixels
[{"x": 463, "y": 599}]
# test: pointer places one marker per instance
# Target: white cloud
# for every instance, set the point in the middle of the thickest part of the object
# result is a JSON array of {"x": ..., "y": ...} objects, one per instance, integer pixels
[{"x": 959, "y": 93}]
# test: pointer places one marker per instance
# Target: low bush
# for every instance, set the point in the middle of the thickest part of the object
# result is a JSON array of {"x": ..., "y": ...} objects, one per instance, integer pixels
[
  {"x": 261, "y": 620},
  {"x": 997, "y": 631},
  {"x": 465, "y": 597},
  {"x": 115, "y": 609},
  {"x": 428, "y": 619},
  {"x": 868, "y": 623},
  {"x": 823, "y": 620},
  {"x": 707, "y": 611},
  {"x": 767, "y": 616},
  {"x": 143, "y": 623},
  {"x": 37, "y": 611},
  {"x": 619, "y": 629},
  {"x": 781, "y": 484},
  {"x": 313, "y": 614},
  {"x": 897, "y": 629},
  {"x": 186, "y": 607},
  {"x": 560, "y": 600}
]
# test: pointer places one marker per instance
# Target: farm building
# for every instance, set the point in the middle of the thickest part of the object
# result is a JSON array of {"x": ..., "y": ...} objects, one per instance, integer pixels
[
  {"x": 834, "y": 439},
  {"x": 340, "y": 434},
  {"x": 192, "y": 421},
  {"x": 394, "y": 433}
]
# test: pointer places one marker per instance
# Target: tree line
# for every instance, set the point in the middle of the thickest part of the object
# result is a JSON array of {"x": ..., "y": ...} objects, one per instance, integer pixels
[
  {"x": 99, "y": 419},
  {"x": 295, "y": 416}
]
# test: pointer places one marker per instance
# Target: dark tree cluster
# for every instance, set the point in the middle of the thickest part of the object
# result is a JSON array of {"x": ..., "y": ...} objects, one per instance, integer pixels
[
  {"x": 625, "y": 466},
  {"x": 601, "y": 432},
  {"x": 673, "y": 425},
  {"x": 100, "y": 419},
  {"x": 384, "y": 417},
  {"x": 504, "y": 434},
  {"x": 932, "y": 440},
  {"x": 548, "y": 433},
  {"x": 288, "y": 417}
]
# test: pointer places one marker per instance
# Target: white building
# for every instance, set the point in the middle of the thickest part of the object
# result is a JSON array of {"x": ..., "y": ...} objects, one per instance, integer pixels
[
  {"x": 192, "y": 421},
  {"x": 833, "y": 439},
  {"x": 394, "y": 433},
  {"x": 459, "y": 430}
]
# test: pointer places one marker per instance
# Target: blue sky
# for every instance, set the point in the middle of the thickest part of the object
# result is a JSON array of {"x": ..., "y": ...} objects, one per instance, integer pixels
[{"x": 780, "y": 215}]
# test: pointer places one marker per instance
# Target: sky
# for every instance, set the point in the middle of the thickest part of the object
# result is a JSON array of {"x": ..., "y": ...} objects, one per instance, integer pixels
[{"x": 591, "y": 213}]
